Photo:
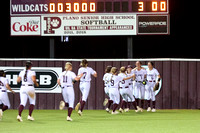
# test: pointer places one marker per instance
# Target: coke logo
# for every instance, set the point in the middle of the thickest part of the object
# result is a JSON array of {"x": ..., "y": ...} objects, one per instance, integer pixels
[{"x": 27, "y": 27}]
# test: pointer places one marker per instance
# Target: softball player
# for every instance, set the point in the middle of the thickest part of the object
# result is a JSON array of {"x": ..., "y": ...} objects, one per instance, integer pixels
[
  {"x": 27, "y": 90},
  {"x": 125, "y": 90},
  {"x": 4, "y": 100},
  {"x": 84, "y": 84},
  {"x": 129, "y": 72},
  {"x": 114, "y": 85},
  {"x": 66, "y": 80},
  {"x": 106, "y": 78},
  {"x": 140, "y": 76},
  {"x": 152, "y": 75}
]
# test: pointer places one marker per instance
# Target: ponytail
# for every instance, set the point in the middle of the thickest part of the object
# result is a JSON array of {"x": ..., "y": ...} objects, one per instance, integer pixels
[{"x": 28, "y": 65}]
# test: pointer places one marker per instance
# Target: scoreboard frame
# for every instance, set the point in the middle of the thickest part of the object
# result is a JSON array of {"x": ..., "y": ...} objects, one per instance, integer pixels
[{"x": 120, "y": 23}]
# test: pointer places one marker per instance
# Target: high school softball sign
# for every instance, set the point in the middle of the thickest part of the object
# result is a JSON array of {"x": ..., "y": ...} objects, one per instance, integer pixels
[
  {"x": 45, "y": 76},
  {"x": 74, "y": 25}
]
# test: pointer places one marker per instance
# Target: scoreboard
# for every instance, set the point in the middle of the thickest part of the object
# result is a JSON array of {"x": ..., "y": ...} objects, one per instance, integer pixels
[{"x": 88, "y": 18}]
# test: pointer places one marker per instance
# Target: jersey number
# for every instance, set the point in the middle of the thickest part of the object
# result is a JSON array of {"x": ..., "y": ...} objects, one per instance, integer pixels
[
  {"x": 64, "y": 79},
  {"x": 112, "y": 82},
  {"x": 84, "y": 74}
]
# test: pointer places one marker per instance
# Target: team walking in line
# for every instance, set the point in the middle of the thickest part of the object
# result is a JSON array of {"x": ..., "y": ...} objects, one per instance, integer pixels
[{"x": 135, "y": 85}]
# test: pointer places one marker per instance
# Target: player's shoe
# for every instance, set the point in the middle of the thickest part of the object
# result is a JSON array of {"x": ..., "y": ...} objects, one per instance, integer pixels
[
  {"x": 126, "y": 110},
  {"x": 141, "y": 109},
  {"x": 30, "y": 118},
  {"x": 114, "y": 113},
  {"x": 80, "y": 113},
  {"x": 1, "y": 114},
  {"x": 105, "y": 102},
  {"x": 19, "y": 118},
  {"x": 69, "y": 118},
  {"x": 153, "y": 110},
  {"x": 77, "y": 106},
  {"x": 107, "y": 110},
  {"x": 121, "y": 110},
  {"x": 62, "y": 105},
  {"x": 137, "y": 110},
  {"x": 148, "y": 109}
]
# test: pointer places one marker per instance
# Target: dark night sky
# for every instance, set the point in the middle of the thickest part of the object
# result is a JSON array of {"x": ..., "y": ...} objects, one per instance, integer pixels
[{"x": 179, "y": 44}]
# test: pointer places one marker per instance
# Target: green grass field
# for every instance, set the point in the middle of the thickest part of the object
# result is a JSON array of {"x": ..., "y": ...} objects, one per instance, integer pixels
[{"x": 98, "y": 121}]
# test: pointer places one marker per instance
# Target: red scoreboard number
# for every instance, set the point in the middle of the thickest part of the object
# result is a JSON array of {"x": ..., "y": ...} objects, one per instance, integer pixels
[{"x": 115, "y": 6}]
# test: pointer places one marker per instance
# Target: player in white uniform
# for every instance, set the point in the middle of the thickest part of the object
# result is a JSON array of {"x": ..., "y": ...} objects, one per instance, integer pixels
[
  {"x": 125, "y": 90},
  {"x": 152, "y": 76},
  {"x": 66, "y": 80},
  {"x": 106, "y": 78},
  {"x": 129, "y": 72},
  {"x": 84, "y": 84},
  {"x": 4, "y": 100},
  {"x": 27, "y": 90},
  {"x": 140, "y": 76},
  {"x": 114, "y": 91}
]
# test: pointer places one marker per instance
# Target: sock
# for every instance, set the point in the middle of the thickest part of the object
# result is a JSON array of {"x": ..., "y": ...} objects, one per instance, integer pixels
[
  {"x": 122, "y": 104},
  {"x": 21, "y": 108},
  {"x": 137, "y": 101},
  {"x": 67, "y": 105},
  {"x": 1, "y": 106},
  {"x": 109, "y": 103},
  {"x": 115, "y": 107},
  {"x": 70, "y": 111},
  {"x": 82, "y": 105},
  {"x": 142, "y": 103},
  {"x": 148, "y": 103},
  {"x": 4, "y": 108},
  {"x": 31, "y": 107},
  {"x": 80, "y": 100},
  {"x": 129, "y": 105},
  {"x": 154, "y": 104},
  {"x": 126, "y": 104},
  {"x": 134, "y": 105}
]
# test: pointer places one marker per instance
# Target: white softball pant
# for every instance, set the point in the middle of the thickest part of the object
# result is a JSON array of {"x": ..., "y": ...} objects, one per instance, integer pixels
[
  {"x": 27, "y": 92},
  {"x": 114, "y": 95},
  {"x": 85, "y": 89},
  {"x": 127, "y": 94},
  {"x": 139, "y": 90},
  {"x": 4, "y": 99},
  {"x": 149, "y": 93},
  {"x": 68, "y": 95}
]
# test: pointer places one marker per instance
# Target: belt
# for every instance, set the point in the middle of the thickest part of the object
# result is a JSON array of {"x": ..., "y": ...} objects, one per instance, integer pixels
[
  {"x": 130, "y": 83},
  {"x": 138, "y": 81},
  {"x": 3, "y": 91},
  {"x": 84, "y": 81},
  {"x": 124, "y": 87},
  {"x": 27, "y": 85},
  {"x": 151, "y": 81},
  {"x": 67, "y": 86}
]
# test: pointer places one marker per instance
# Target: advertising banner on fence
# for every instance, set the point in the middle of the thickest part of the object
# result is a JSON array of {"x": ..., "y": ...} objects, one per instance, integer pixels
[
  {"x": 90, "y": 24},
  {"x": 25, "y": 25},
  {"x": 153, "y": 24},
  {"x": 45, "y": 76}
]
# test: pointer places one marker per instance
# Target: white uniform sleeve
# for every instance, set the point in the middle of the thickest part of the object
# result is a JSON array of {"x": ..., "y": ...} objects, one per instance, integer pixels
[
  {"x": 92, "y": 71},
  {"x": 6, "y": 81},
  {"x": 104, "y": 77},
  {"x": 73, "y": 75},
  {"x": 156, "y": 72},
  {"x": 33, "y": 73},
  {"x": 145, "y": 72},
  {"x": 120, "y": 78},
  {"x": 60, "y": 76},
  {"x": 79, "y": 71},
  {"x": 20, "y": 74}
]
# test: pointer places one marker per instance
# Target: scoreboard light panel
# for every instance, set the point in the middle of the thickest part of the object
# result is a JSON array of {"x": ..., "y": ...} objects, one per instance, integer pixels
[{"x": 97, "y": 6}]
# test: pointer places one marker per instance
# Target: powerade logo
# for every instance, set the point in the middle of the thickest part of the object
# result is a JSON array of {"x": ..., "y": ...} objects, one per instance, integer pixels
[
  {"x": 156, "y": 92},
  {"x": 46, "y": 78}
]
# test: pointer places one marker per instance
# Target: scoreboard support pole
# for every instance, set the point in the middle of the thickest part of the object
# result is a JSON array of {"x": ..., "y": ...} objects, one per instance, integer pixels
[
  {"x": 129, "y": 47},
  {"x": 52, "y": 47}
]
